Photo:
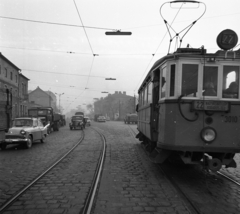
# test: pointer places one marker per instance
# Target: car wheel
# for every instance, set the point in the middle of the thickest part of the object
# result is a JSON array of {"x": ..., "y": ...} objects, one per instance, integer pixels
[
  {"x": 29, "y": 142},
  {"x": 3, "y": 146},
  {"x": 43, "y": 139}
]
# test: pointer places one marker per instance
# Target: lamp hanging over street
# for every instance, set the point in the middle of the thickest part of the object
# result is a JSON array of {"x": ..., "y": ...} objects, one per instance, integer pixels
[{"x": 118, "y": 33}]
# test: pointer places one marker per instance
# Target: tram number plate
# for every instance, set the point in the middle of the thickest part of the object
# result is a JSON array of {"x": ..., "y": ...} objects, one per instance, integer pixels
[{"x": 210, "y": 105}]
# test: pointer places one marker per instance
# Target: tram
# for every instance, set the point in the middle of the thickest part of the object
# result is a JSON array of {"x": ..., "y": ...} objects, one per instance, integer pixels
[{"x": 189, "y": 106}]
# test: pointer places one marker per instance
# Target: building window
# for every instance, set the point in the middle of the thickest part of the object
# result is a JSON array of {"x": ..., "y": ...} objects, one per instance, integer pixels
[
  {"x": 16, "y": 78},
  {"x": 5, "y": 72},
  {"x": 11, "y": 75},
  {"x": 0, "y": 69}
]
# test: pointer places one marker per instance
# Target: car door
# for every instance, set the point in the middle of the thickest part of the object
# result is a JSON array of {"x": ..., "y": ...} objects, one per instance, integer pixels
[
  {"x": 35, "y": 130},
  {"x": 42, "y": 129}
]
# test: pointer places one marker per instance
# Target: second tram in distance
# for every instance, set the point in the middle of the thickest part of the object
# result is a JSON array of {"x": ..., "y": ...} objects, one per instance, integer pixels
[{"x": 189, "y": 106}]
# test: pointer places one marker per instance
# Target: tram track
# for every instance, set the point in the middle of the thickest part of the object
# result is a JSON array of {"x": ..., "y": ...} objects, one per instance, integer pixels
[
  {"x": 228, "y": 178},
  {"x": 28, "y": 186},
  {"x": 88, "y": 203},
  {"x": 93, "y": 190}
]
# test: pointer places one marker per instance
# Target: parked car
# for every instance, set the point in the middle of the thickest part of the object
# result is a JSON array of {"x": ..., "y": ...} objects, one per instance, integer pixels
[
  {"x": 76, "y": 122},
  {"x": 25, "y": 131},
  {"x": 87, "y": 121},
  {"x": 101, "y": 119}
]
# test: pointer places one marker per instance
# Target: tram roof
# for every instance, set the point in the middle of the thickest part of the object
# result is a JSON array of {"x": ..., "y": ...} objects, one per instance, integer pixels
[{"x": 189, "y": 53}]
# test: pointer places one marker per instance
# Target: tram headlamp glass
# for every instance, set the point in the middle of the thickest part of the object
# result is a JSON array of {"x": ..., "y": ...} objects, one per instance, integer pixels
[{"x": 208, "y": 134}]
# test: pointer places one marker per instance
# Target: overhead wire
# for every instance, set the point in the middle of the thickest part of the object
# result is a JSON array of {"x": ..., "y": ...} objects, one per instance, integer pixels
[
  {"x": 72, "y": 74},
  {"x": 54, "y": 23},
  {"x": 90, "y": 48},
  {"x": 144, "y": 73}
]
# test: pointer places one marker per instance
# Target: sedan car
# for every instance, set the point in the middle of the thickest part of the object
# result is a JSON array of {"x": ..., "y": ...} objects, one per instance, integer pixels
[
  {"x": 101, "y": 119},
  {"x": 76, "y": 122},
  {"x": 25, "y": 131}
]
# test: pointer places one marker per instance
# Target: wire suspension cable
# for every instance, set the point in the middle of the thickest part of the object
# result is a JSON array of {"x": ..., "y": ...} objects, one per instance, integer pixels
[
  {"x": 54, "y": 23},
  {"x": 159, "y": 46},
  {"x": 83, "y": 26}
]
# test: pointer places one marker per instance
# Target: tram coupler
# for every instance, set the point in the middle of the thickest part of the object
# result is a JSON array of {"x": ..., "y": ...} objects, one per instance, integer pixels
[{"x": 214, "y": 164}]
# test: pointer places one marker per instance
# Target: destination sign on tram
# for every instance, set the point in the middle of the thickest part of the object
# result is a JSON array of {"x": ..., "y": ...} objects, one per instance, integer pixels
[{"x": 209, "y": 105}]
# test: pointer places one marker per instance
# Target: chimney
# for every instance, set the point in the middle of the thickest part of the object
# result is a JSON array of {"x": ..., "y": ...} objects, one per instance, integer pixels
[
  {"x": 124, "y": 92},
  {"x": 116, "y": 92}
]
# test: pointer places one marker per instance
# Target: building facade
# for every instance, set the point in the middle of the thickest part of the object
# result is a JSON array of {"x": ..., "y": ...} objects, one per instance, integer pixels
[
  {"x": 23, "y": 95},
  {"x": 115, "y": 106},
  {"x": 38, "y": 97},
  {"x": 9, "y": 78}
]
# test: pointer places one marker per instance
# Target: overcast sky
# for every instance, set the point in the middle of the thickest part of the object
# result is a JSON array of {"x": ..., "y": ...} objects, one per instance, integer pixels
[{"x": 47, "y": 42}]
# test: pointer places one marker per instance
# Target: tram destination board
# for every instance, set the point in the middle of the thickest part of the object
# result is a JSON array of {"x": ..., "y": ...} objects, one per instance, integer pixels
[{"x": 209, "y": 105}]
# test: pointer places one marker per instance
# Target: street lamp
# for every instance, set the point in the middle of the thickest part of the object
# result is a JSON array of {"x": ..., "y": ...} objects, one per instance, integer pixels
[
  {"x": 59, "y": 95},
  {"x": 118, "y": 33}
]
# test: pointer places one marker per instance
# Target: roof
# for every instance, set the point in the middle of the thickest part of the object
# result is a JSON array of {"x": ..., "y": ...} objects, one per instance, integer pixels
[
  {"x": 7, "y": 60},
  {"x": 38, "y": 88},
  {"x": 23, "y": 76}
]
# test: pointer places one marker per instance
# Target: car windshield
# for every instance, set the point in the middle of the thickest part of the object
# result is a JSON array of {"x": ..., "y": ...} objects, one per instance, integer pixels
[{"x": 22, "y": 122}]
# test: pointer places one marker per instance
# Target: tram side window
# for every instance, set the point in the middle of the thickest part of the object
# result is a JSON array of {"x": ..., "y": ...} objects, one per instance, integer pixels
[
  {"x": 172, "y": 80},
  {"x": 145, "y": 96},
  {"x": 210, "y": 80},
  {"x": 230, "y": 82},
  {"x": 149, "y": 92},
  {"x": 163, "y": 82},
  {"x": 189, "y": 80},
  {"x": 140, "y": 98}
]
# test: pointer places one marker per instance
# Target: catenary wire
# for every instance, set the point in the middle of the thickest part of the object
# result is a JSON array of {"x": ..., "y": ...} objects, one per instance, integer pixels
[{"x": 157, "y": 49}]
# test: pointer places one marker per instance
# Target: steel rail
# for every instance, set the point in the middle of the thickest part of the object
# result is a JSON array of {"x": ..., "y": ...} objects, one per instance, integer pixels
[
  {"x": 191, "y": 206},
  {"x": 93, "y": 189},
  {"x": 228, "y": 178},
  {"x": 11, "y": 200}
]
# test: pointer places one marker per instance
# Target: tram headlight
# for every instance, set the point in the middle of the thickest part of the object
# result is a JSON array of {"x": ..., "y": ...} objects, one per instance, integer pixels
[{"x": 208, "y": 134}]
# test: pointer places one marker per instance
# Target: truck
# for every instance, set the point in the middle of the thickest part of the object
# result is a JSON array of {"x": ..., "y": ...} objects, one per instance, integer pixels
[
  {"x": 47, "y": 116},
  {"x": 5, "y": 113},
  {"x": 131, "y": 118},
  {"x": 79, "y": 113}
]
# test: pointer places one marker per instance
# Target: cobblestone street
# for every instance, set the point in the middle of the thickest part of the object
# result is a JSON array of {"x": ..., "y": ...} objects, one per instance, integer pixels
[{"x": 130, "y": 182}]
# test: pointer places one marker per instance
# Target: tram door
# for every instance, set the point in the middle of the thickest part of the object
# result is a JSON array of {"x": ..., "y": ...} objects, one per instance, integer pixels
[{"x": 155, "y": 106}]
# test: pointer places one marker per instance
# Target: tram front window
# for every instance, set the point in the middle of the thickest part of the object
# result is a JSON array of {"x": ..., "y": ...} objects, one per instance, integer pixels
[
  {"x": 210, "y": 79},
  {"x": 230, "y": 82},
  {"x": 189, "y": 80}
]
